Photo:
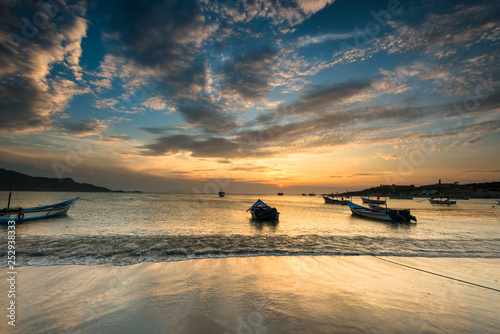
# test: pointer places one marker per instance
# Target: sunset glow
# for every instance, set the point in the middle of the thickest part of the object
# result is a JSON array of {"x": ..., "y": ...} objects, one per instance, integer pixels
[{"x": 249, "y": 96}]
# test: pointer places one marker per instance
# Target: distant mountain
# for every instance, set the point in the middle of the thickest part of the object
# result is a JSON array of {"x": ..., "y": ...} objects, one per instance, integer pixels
[{"x": 22, "y": 182}]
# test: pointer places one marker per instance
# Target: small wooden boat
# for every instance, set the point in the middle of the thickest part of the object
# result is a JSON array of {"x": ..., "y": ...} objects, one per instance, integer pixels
[
  {"x": 262, "y": 211},
  {"x": 388, "y": 215},
  {"x": 330, "y": 199},
  {"x": 20, "y": 214},
  {"x": 373, "y": 201},
  {"x": 401, "y": 197},
  {"x": 442, "y": 201}
]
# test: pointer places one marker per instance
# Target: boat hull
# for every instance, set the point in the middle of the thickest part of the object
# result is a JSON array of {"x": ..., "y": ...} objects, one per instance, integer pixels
[
  {"x": 329, "y": 200},
  {"x": 381, "y": 214},
  {"x": 262, "y": 211},
  {"x": 373, "y": 201},
  {"x": 255, "y": 216},
  {"x": 37, "y": 212},
  {"x": 368, "y": 213}
]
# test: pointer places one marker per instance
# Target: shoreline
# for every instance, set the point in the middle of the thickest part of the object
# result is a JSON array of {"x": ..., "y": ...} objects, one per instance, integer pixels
[{"x": 273, "y": 294}]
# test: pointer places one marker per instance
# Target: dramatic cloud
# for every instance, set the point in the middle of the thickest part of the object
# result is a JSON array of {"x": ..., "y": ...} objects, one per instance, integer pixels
[
  {"x": 249, "y": 73},
  {"x": 168, "y": 35},
  {"x": 34, "y": 37},
  {"x": 199, "y": 147},
  {"x": 85, "y": 128},
  {"x": 280, "y": 12},
  {"x": 204, "y": 113},
  {"x": 236, "y": 85},
  {"x": 439, "y": 35}
]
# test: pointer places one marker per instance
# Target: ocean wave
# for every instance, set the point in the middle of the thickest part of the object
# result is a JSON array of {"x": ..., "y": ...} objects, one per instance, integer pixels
[{"x": 127, "y": 250}]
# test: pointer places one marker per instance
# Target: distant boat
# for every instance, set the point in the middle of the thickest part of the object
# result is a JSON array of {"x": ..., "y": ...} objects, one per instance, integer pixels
[
  {"x": 262, "y": 211},
  {"x": 330, "y": 199},
  {"x": 280, "y": 194},
  {"x": 222, "y": 194},
  {"x": 373, "y": 201},
  {"x": 304, "y": 194},
  {"x": 401, "y": 197},
  {"x": 312, "y": 194},
  {"x": 20, "y": 214},
  {"x": 388, "y": 215},
  {"x": 442, "y": 201}
]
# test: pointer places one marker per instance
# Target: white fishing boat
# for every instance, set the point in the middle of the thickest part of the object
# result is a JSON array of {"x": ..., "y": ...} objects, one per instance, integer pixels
[
  {"x": 21, "y": 214},
  {"x": 388, "y": 215},
  {"x": 262, "y": 211}
]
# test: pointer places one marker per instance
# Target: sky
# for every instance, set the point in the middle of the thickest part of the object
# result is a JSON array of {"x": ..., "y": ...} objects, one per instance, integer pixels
[{"x": 252, "y": 95}]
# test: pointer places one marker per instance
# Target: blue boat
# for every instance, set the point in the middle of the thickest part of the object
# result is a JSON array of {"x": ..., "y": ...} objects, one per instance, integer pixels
[{"x": 21, "y": 214}]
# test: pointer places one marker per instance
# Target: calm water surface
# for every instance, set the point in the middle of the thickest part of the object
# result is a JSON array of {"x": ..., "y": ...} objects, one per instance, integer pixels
[{"x": 123, "y": 228}]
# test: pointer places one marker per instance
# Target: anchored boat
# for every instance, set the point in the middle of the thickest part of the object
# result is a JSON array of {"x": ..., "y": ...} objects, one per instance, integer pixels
[
  {"x": 373, "y": 201},
  {"x": 389, "y": 215},
  {"x": 262, "y": 211},
  {"x": 332, "y": 199},
  {"x": 20, "y": 214}
]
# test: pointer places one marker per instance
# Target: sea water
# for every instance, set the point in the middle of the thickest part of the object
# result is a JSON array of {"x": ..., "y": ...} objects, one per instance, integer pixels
[{"x": 130, "y": 228}]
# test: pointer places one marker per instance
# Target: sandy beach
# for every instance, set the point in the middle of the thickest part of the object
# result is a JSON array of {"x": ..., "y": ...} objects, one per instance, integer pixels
[{"x": 301, "y": 294}]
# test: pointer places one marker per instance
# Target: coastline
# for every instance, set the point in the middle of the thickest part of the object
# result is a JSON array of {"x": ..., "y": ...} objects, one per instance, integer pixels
[{"x": 301, "y": 294}]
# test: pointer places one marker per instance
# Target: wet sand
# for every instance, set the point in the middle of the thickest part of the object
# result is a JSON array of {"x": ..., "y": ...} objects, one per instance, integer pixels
[{"x": 300, "y": 294}]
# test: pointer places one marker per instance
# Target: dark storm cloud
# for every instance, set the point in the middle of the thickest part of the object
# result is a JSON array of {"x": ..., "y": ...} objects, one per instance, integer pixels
[
  {"x": 200, "y": 147},
  {"x": 248, "y": 74}
]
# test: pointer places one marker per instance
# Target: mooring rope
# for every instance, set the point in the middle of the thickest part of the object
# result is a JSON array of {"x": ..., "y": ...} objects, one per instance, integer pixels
[{"x": 430, "y": 272}]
